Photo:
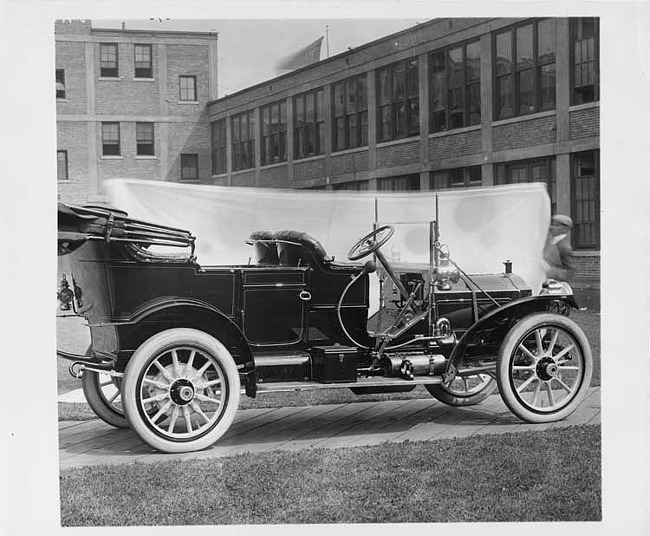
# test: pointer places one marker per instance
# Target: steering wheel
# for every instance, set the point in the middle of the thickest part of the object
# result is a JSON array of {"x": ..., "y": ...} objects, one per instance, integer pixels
[{"x": 371, "y": 242}]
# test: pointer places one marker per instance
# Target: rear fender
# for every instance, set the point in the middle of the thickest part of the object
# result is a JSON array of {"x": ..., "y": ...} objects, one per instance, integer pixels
[
  {"x": 184, "y": 313},
  {"x": 491, "y": 328}
]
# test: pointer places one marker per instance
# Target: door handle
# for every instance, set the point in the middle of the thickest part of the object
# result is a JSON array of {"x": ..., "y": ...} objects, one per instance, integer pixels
[{"x": 305, "y": 295}]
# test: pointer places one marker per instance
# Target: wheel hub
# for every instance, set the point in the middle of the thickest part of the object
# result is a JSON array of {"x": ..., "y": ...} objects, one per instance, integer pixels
[
  {"x": 181, "y": 392},
  {"x": 547, "y": 369}
]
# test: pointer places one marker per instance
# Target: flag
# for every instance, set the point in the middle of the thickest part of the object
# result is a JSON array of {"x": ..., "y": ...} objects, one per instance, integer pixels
[{"x": 305, "y": 56}]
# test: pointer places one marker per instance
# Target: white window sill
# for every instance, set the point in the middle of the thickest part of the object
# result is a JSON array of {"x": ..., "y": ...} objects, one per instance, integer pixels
[
  {"x": 58, "y": 99},
  {"x": 188, "y": 102},
  {"x": 144, "y": 79},
  {"x": 110, "y": 78},
  {"x": 111, "y": 157},
  {"x": 145, "y": 157}
]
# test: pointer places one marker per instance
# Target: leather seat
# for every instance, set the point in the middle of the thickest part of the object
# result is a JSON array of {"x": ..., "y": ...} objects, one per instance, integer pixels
[
  {"x": 266, "y": 252},
  {"x": 292, "y": 246}
]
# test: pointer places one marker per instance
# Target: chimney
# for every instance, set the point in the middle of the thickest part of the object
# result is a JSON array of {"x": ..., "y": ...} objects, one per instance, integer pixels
[{"x": 123, "y": 25}]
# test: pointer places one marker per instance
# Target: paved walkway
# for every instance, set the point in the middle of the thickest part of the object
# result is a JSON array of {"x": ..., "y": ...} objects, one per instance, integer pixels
[{"x": 330, "y": 426}]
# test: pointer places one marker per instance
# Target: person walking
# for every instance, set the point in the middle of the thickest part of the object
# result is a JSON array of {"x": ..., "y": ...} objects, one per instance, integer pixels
[{"x": 558, "y": 253}]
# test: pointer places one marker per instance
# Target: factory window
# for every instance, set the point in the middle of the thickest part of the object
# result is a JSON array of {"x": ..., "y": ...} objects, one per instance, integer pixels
[
  {"x": 144, "y": 139},
  {"x": 455, "y": 87},
  {"x": 62, "y": 165},
  {"x": 309, "y": 124},
  {"x": 525, "y": 69},
  {"x": 354, "y": 186},
  {"x": 398, "y": 105},
  {"x": 274, "y": 133},
  {"x": 189, "y": 167},
  {"x": 455, "y": 178},
  {"x": 143, "y": 64},
  {"x": 536, "y": 170},
  {"x": 187, "y": 89},
  {"x": 60, "y": 84},
  {"x": 243, "y": 141},
  {"x": 108, "y": 64},
  {"x": 584, "y": 60},
  {"x": 404, "y": 183},
  {"x": 350, "y": 118},
  {"x": 111, "y": 139},
  {"x": 219, "y": 147},
  {"x": 585, "y": 200}
]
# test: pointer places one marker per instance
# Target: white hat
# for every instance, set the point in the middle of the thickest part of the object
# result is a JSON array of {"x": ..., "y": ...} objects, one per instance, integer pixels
[{"x": 562, "y": 220}]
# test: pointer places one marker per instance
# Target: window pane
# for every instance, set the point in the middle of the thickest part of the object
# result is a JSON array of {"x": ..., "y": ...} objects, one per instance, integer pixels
[
  {"x": 526, "y": 91},
  {"x": 398, "y": 82},
  {"x": 525, "y": 47},
  {"x": 474, "y": 176},
  {"x": 456, "y": 178},
  {"x": 473, "y": 61},
  {"x": 384, "y": 87},
  {"x": 362, "y": 92},
  {"x": 474, "y": 97},
  {"x": 385, "y": 124},
  {"x": 504, "y": 53},
  {"x": 363, "y": 126},
  {"x": 351, "y": 96},
  {"x": 412, "y": 88},
  {"x": 506, "y": 97},
  {"x": 62, "y": 165},
  {"x": 309, "y": 108},
  {"x": 456, "y": 77},
  {"x": 339, "y": 100},
  {"x": 456, "y": 108},
  {"x": 548, "y": 87},
  {"x": 438, "y": 104},
  {"x": 352, "y": 130},
  {"x": 400, "y": 119},
  {"x": 546, "y": 41}
]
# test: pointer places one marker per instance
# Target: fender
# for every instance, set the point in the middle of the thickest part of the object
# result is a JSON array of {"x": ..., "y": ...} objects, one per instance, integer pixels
[
  {"x": 172, "y": 311},
  {"x": 504, "y": 316}
]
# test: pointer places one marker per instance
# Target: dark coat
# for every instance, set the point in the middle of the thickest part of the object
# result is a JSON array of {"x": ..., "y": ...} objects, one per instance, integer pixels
[{"x": 559, "y": 259}]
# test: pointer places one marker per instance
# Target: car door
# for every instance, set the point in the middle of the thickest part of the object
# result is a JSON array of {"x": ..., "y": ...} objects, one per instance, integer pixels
[{"x": 275, "y": 303}]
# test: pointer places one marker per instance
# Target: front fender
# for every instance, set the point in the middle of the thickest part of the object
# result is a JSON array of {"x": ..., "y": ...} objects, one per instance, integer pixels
[{"x": 492, "y": 327}]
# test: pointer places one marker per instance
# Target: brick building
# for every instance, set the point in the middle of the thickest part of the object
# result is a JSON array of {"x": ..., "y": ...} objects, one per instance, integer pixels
[
  {"x": 452, "y": 103},
  {"x": 131, "y": 103}
]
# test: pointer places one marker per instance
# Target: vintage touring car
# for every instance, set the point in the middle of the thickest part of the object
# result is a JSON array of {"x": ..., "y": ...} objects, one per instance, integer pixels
[{"x": 175, "y": 344}]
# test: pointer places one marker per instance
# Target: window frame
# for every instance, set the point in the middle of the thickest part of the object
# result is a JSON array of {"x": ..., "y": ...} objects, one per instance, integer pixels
[
  {"x": 443, "y": 178},
  {"x": 146, "y": 72},
  {"x": 243, "y": 148},
  {"x": 145, "y": 147},
  {"x": 393, "y": 104},
  {"x": 273, "y": 142},
  {"x": 60, "y": 93},
  {"x": 183, "y": 92},
  {"x": 63, "y": 152},
  {"x": 111, "y": 142},
  {"x": 516, "y": 70},
  {"x": 578, "y": 222},
  {"x": 502, "y": 171},
  {"x": 573, "y": 21},
  {"x": 184, "y": 166},
  {"x": 309, "y": 137},
  {"x": 405, "y": 183},
  {"x": 467, "y": 87},
  {"x": 345, "y": 115},
  {"x": 109, "y": 72},
  {"x": 219, "y": 145}
]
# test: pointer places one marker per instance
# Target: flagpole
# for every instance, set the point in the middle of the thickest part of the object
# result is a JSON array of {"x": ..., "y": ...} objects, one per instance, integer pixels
[{"x": 327, "y": 33}]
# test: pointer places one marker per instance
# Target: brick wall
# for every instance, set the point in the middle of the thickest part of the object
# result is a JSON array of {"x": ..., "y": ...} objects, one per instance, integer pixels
[
  {"x": 188, "y": 138},
  {"x": 190, "y": 60},
  {"x": 524, "y": 133},
  {"x": 245, "y": 178},
  {"x": 454, "y": 145},
  {"x": 275, "y": 177},
  {"x": 309, "y": 169},
  {"x": 73, "y": 137},
  {"x": 71, "y": 57},
  {"x": 349, "y": 163},
  {"x": 73, "y": 27},
  {"x": 585, "y": 123},
  {"x": 587, "y": 268},
  {"x": 398, "y": 154}
]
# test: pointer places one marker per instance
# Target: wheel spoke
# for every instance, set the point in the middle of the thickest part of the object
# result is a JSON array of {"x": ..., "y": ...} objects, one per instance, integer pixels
[
  {"x": 113, "y": 398},
  {"x": 540, "y": 342},
  {"x": 175, "y": 362},
  {"x": 549, "y": 391},
  {"x": 109, "y": 382},
  {"x": 204, "y": 398},
  {"x": 164, "y": 372},
  {"x": 205, "y": 385},
  {"x": 526, "y": 383},
  {"x": 564, "y": 385},
  {"x": 198, "y": 410},
  {"x": 156, "y": 398},
  {"x": 522, "y": 367},
  {"x": 551, "y": 344},
  {"x": 563, "y": 352},
  {"x": 161, "y": 412},
  {"x": 527, "y": 352},
  {"x": 188, "y": 420},
  {"x": 567, "y": 367},
  {"x": 159, "y": 385},
  {"x": 200, "y": 372},
  {"x": 536, "y": 395},
  {"x": 188, "y": 365},
  {"x": 173, "y": 419}
]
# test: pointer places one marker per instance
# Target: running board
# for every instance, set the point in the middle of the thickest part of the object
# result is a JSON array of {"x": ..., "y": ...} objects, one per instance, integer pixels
[{"x": 379, "y": 381}]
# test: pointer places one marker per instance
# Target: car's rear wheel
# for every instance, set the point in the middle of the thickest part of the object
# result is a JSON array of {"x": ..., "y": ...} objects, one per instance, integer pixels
[
  {"x": 544, "y": 368},
  {"x": 181, "y": 390},
  {"x": 103, "y": 394},
  {"x": 464, "y": 390}
]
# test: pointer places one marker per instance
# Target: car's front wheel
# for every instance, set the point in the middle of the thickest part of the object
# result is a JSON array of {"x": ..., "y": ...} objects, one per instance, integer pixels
[
  {"x": 544, "y": 368},
  {"x": 181, "y": 390},
  {"x": 464, "y": 390}
]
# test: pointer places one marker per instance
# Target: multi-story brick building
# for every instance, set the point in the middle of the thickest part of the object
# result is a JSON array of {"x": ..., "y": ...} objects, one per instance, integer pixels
[
  {"x": 131, "y": 103},
  {"x": 452, "y": 103}
]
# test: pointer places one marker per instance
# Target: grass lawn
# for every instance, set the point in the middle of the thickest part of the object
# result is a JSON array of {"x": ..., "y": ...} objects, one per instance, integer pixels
[{"x": 531, "y": 476}]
